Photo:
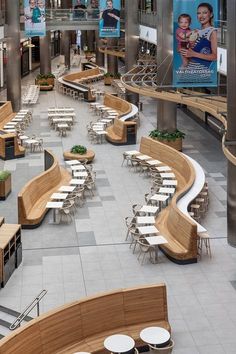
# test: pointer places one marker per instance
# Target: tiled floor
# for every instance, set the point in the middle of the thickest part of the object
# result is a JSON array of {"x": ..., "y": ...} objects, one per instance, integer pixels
[{"x": 90, "y": 255}]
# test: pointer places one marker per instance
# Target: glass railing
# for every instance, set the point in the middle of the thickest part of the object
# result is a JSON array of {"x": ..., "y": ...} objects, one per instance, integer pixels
[
  {"x": 71, "y": 15},
  {"x": 222, "y": 33},
  {"x": 148, "y": 18}
]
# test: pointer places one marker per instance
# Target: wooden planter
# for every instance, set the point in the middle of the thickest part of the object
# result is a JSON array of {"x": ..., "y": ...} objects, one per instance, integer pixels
[
  {"x": 71, "y": 156},
  {"x": 177, "y": 144},
  {"x": 5, "y": 188},
  {"x": 108, "y": 80},
  {"x": 46, "y": 88},
  {"x": 50, "y": 81}
]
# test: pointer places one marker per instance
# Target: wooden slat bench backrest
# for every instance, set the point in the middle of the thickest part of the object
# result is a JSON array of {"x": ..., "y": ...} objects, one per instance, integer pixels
[
  {"x": 179, "y": 225},
  {"x": 36, "y": 187},
  {"x": 119, "y": 128},
  {"x": 82, "y": 74},
  {"x": 118, "y": 104},
  {"x": 74, "y": 322},
  {"x": 5, "y": 112}
]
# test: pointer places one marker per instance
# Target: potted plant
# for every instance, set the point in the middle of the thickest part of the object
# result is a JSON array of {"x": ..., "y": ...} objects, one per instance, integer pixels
[
  {"x": 78, "y": 149},
  {"x": 108, "y": 77},
  {"x": 5, "y": 184},
  {"x": 172, "y": 139},
  {"x": 44, "y": 86},
  {"x": 49, "y": 78}
]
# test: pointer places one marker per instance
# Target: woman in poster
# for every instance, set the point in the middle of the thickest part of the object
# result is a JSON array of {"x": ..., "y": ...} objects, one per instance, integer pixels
[{"x": 204, "y": 49}]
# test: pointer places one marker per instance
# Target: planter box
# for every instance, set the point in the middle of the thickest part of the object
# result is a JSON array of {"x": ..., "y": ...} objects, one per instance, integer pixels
[
  {"x": 5, "y": 188},
  {"x": 71, "y": 156},
  {"x": 50, "y": 81},
  {"x": 46, "y": 88},
  {"x": 177, "y": 144},
  {"x": 108, "y": 80}
]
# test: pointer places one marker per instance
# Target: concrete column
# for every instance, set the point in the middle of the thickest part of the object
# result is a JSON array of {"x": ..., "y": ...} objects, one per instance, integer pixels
[
  {"x": 90, "y": 40},
  {"x": 112, "y": 60},
  {"x": 166, "y": 111},
  {"x": 83, "y": 39},
  {"x": 231, "y": 122},
  {"x": 13, "y": 55},
  {"x": 1, "y": 66},
  {"x": 100, "y": 60},
  {"x": 45, "y": 53},
  {"x": 131, "y": 42},
  {"x": 65, "y": 47}
]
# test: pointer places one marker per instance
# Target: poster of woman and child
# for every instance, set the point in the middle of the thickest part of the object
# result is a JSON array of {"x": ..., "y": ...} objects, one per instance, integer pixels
[
  {"x": 34, "y": 13},
  {"x": 195, "y": 43}
]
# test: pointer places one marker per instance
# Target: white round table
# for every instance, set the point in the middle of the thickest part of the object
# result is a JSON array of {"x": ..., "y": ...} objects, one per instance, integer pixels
[
  {"x": 119, "y": 343},
  {"x": 155, "y": 335}
]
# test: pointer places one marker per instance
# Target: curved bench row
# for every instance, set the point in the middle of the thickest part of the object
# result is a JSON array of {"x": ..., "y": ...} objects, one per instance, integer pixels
[
  {"x": 83, "y": 325},
  {"x": 178, "y": 228},
  {"x": 33, "y": 197}
]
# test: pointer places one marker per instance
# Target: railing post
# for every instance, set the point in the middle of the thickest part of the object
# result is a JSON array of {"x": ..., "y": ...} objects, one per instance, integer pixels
[{"x": 37, "y": 308}]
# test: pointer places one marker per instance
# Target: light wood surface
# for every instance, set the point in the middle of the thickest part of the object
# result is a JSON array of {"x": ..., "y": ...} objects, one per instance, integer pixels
[
  {"x": 177, "y": 228},
  {"x": 33, "y": 197},
  {"x": 83, "y": 325}
]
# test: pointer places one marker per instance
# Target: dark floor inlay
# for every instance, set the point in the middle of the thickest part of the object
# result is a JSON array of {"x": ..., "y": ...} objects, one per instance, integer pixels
[
  {"x": 102, "y": 182},
  {"x": 108, "y": 198},
  {"x": 233, "y": 283},
  {"x": 86, "y": 238}
]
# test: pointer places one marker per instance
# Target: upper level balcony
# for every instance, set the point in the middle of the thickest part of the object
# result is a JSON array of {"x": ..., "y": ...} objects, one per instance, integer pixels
[{"x": 148, "y": 18}]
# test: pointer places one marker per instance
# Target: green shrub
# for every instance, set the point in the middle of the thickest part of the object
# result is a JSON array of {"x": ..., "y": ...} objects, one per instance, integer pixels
[
  {"x": 44, "y": 83},
  {"x": 108, "y": 74},
  {"x": 164, "y": 135},
  {"x": 78, "y": 149},
  {"x": 4, "y": 175},
  {"x": 45, "y": 76}
]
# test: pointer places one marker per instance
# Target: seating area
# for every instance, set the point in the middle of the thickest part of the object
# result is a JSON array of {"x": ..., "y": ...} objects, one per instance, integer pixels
[
  {"x": 65, "y": 192},
  {"x": 62, "y": 119},
  {"x": 173, "y": 180},
  {"x": 90, "y": 324},
  {"x": 31, "y": 95}
]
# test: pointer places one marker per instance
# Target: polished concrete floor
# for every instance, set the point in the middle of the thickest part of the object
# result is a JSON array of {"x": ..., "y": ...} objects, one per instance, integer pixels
[{"x": 90, "y": 255}]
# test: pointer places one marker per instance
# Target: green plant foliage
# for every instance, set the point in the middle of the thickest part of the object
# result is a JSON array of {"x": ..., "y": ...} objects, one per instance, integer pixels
[
  {"x": 44, "y": 83},
  {"x": 45, "y": 76},
  {"x": 78, "y": 149},
  {"x": 108, "y": 74},
  {"x": 164, "y": 135},
  {"x": 4, "y": 175}
]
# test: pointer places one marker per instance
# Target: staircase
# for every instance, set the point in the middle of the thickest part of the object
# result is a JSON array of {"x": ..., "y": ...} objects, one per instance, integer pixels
[{"x": 7, "y": 317}]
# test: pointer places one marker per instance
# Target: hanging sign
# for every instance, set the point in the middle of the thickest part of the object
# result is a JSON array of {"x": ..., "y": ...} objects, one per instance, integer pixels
[
  {"x": 34, "y": 13},
  {"x": 109, "y": 24},
  {"x": 195, "y": 43}
]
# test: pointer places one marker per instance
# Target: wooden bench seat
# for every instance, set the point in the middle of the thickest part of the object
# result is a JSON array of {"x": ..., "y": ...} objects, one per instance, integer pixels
[
  {"x": 117, "y": 133},
  {"x": 33, "y": 197},
  {"x": 179, "y": 230},
  {"x": 118, "y": 104},
  {"x": 83, "y": 325}
]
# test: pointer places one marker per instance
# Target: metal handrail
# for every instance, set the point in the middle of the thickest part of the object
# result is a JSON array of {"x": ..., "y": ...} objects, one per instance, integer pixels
[{"x": 27, "y": 310}]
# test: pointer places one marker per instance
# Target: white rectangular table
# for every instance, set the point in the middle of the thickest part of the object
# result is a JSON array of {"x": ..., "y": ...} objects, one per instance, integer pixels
[
  {"x": 166, "y": 190},
  {"x": 167, "y": 175},
  {"x": 169, "y": 182},
  {"x": 149, "y": 209},
  {"x": 147, "y": 230},
  {"x": 54, "y": 206},
  {"x": 77, "y": 167},
  {"x": 143, "y": 157},
  {"x": 163, "y": 168},
  {"x": 132, "y": 152},
  {"x": 73, "y": 162},
  {"x": 80, "y": 174},
  {"x": 142, "y": 220},
  {"x": 156, "y": 241},
  {"x": 77, "y": 181},
  {"x": 160, "y": 198},
  {"x": 59, "y": 196},
  {"x": 67, "y": 189},
  {"x": 153, "y": 162}
]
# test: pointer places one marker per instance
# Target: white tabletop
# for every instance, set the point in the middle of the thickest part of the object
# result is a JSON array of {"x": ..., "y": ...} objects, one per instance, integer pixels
[
  {"x": 9, "y": 130},
  {"x": 119, "y": 343},
  {"x": 31, "y": 141},
  {"x": 77, "y": 167},
  {"x": 61, "y": 114},
  {"x": 169, "y": 182},
  {"x": 80, "y": 174},
  {"x": 153, "y": 162},
  {"x": 77, "y": 181},
  {"x": 167, "y": 175},
  {"x": 73, "y": 162},
  {"x": 101, "y": 132},
  {"x": 23, "y": 137},
  {"x": 166, "y": 190},
  {"x": 62, "y": 120},
  {"x": 145, "y": 220},
  {"x": 17, "y": 120},
  {"x": 145, "y": 230},
  {"x": 132, "y": 152},
  {"x": 155, "y": 335},
  {"x": 159, "y": 197},
  {"x": 106, "y": 120},
  {"x": 54, "y": 205},
  {"x": 149, "y": 209},
  {"x": 163, "y": 168},
  {"x": 62, "y": 125},
  {"x": 61, "y": 109},
  {"x": 156, "y": 240},
  {"x": 66, "y": 189},
  {"x": 59, "y": 196},
  {"x": 143, "y": 157},
  {"x": 97, "y": 128}
]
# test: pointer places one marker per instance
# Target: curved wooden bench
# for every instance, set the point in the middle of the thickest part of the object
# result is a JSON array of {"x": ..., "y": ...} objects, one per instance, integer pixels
[
  {"x": 179, "y": 230},
  {"x": 83, "y": 325},
  {"x": 33, "y": 197},
  {"x": 117, "y": 133},
  {"x": 90, "y": 154},
  {"x": 118, "y": 104}
]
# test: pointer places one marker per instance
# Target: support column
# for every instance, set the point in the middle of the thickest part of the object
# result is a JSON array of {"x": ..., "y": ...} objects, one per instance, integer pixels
[
  {"x": 65, "y": 47},
  {"x": 131, "y": 42},
  {"x": 45, "y": 53},
  {"x": 112, "y": 60},
  {"x": 100, "y": 60},
  {"x": 13, "y": 55},
  {"x": 91, "y": 40},
  {"x": 166, "y": 111},
  {"x": 231, "y": 122}
]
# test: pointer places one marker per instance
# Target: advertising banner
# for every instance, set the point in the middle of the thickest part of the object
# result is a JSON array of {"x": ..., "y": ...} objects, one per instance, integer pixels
[
  {"x": 195, "y": 43},
  {"x": 34, "y": 13},
  {"x": 109, "y": 24}
]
